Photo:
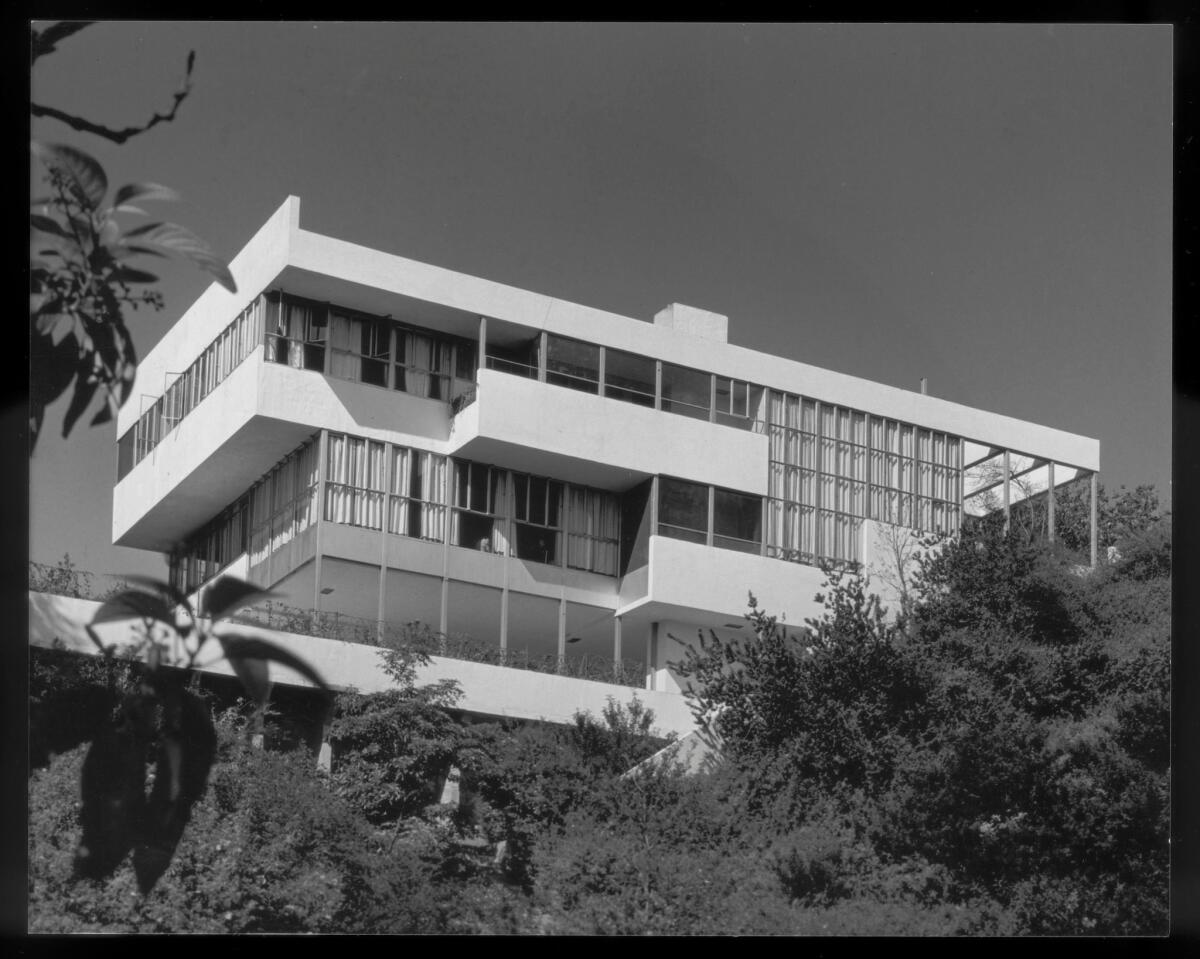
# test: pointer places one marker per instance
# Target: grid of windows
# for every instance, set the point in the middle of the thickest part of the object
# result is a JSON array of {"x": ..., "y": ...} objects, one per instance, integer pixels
[
  {"x": 218, "y": 360},
  {"x": 211, "y": 548},
  {"x": 469, "y": 504},
  {"x": 631, "y": 378},
  {"x": 832, "y": 467},
  {"x": 283, "y": 504}
]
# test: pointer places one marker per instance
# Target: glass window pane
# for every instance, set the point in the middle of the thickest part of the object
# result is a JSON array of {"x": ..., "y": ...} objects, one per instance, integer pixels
[
  {"x": 683, "y": 505},
  {"x": 629, "y": 377},
  {"x": 572, "y": 363},
  {"x": 737, "y": 515},
  {"x": 686, "y": 391}
]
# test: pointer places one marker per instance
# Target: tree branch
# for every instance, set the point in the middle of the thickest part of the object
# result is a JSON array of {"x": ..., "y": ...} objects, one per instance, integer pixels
[
  {"x": 120, "y": 136},
  {"x": 45, "y": 41}
]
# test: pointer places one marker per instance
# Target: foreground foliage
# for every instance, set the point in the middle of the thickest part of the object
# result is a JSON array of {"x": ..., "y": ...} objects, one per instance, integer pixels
[{"x": 997, "y": 764}]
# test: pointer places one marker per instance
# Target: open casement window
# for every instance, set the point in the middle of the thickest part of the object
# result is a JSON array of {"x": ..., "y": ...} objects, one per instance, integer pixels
[
  {"x": 417, "y": 500},
  {"x": 479, "y": 518},
  {"x": 572, "y": 363},
  {"x": 537, "y": 515},
  {"x": 683, "y": 510},
  {"x": 686, "y": 391},
  {"x": 299, "y": 335},
  {"x": 629, "y": 377}
]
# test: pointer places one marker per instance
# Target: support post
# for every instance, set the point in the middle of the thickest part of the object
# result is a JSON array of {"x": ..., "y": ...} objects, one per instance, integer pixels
[
  {"x": 1094, "y": 508},
  {"x": 542, "y": 344},
  {"x": 1050, "y": 502},
  {"x": 562, "y": 635},
  {"x": 617, "y": 648},
  {"x": 481, "y": 359},
  {"x": 322, "y": 470}
]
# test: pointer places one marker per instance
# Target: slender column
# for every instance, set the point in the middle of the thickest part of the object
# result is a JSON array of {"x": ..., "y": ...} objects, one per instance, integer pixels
[
  {"x": 616, "y": 647},
  {"x": 1007, "y": 474},
  {"x": 651, "y": 654},
  {"x": 654, "y": 506},
  {"x": 600, "y": 372},
  {"x": 1095, "y": 482},
  {"x": 712, "y": 496},
  {"x": 658, "y": 384},
  {"x": 383, "y": 534},
  {"x": 542, "y": 343},
  {"x": 712, "y": 397},
  {"x": 1050, "y": 501},
  {"x": 562, "y": 633},
  {"x": 481, "y": 359},
  {"x": 325, "y": 752},
  {"x": 504, "y": 624},
  {"x": 447, "y": 517},
  {"x": 322, "y": 469}
]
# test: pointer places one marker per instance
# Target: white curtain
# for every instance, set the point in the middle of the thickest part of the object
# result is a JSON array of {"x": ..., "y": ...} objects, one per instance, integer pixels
[
  {"x": 499, "y": 480},
  {"x": 345, "y": 339},
  {"x": 420, "y": 361}
]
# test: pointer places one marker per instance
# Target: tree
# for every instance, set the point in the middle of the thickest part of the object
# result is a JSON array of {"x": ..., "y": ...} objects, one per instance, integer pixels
[{"x": 81, "y": 280}]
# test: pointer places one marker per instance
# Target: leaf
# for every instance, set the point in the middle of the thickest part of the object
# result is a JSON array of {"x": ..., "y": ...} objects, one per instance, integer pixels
[
  {"x": 48, "y": 225},
  {"x": 134, "y": 603},
  {"x": 144, "y": 191},
  {"x": 81, "y": 169},
  {"x": 122, "y": 250},
  {"x": 80, "y": 399},
  {"x": 160, "y": 586},
  {"x": 251, "y": 647},
  {"x": 127, "y": 274},
  {"x": 229, "y": 593},
  {"x": 55, "y": 325},
  {"x": 180, "y": 240},
  {"x": 255, "y": 676}
]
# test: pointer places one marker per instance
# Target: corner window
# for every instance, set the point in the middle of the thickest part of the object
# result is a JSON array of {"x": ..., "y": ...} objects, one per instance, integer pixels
[{"x": 573, "y": 364}]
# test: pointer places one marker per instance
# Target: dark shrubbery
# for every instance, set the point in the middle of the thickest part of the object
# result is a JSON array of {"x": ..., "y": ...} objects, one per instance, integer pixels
[{"x": 998, "y": 764}]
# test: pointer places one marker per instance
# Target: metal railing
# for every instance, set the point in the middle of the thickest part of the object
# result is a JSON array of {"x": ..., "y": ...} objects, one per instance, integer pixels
[{"x": 65, "y": 579}]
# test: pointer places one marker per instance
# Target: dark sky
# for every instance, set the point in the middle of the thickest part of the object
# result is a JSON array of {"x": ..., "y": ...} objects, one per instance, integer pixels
[{"x": 985, "y": 206}]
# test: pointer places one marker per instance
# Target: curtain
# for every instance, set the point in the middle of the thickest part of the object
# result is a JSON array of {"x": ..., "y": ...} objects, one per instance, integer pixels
[
  {"x": 398, "y": 505},
  {"x": 433, "y": 494},
  {"x": 420, "y": 361},
  {"x": 345, "y": 339},
  {"x": 500, "y": 510}
]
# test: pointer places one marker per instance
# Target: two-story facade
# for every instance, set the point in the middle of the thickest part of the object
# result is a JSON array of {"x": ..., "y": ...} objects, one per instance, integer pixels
[{"x": 402, "y": 443}]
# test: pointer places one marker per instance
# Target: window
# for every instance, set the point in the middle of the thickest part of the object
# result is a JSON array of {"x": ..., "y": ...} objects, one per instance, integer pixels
[
  {"x": 354, "y": 481},
  {"x": 423, "y": 364},
  {"x": 737, "y": 521},
  {"x": 686, "y": 391},
  {"x": 736, "y": 402},
  {"x": 629, "y": 377},
  {"x": 417, "y": 496},
  {"x": 361, "y": 348},
  {"x": 537, "y": 509},
  {"x": 573, "y": 364},
  {"x": 298, "y": 339},
  {"x": 683, "y": 510},
  {"x": 593, "y": 525},
  {"x": 479, "y": 518}
]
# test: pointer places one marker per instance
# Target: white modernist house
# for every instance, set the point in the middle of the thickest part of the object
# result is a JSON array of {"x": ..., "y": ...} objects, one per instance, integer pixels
[{"x": 394, "y": 442}]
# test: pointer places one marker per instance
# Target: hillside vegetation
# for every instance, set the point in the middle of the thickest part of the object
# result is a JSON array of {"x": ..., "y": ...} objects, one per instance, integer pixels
[{"x": 997, "y": 763}]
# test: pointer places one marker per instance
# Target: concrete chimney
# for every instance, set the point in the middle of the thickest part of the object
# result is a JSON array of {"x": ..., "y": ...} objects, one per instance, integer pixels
[{"x": 696, "y": 322}]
